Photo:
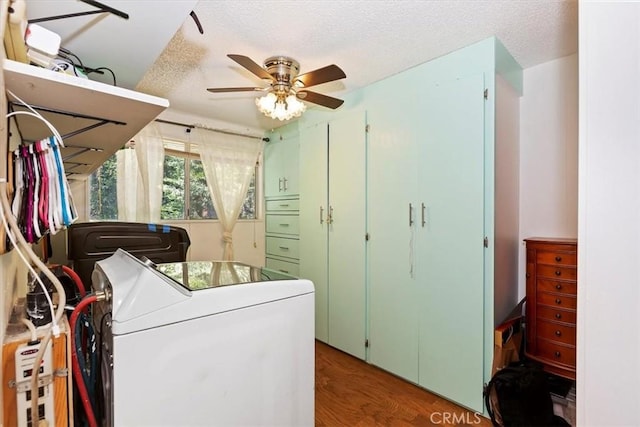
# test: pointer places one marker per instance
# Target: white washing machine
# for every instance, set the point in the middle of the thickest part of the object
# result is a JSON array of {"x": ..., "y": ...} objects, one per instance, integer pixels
[{"x": 204, "y": 344}]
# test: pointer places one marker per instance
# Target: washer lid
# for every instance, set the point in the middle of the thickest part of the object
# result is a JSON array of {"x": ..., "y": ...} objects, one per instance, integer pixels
[
  {"x": 143, "y": 297},
  {"x": 199, "y": 275},
  {"x": 135, "y": 288}
]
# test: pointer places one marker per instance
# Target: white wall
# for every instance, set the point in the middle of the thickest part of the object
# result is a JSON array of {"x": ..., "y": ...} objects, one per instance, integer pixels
[
  {"x": 548, "y": 153},
  {"x": 507, "y": 152},
  {"x": 608, "y": 371},
  {"x": 207, "y": 244}
]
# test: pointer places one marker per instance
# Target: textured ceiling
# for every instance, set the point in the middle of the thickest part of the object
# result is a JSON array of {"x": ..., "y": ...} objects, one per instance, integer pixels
[{"x": 369, "y": 40}]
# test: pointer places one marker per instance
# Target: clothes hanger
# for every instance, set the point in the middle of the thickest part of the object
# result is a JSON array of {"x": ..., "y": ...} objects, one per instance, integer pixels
[
  {"x": 36, "y": 191},
  {"x": 43, "y": 205}
]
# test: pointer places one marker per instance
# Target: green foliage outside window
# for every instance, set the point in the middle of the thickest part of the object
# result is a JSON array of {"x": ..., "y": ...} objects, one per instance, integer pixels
[
  {"x": 173, "y": 190},
  {"x": 183, "y": 175},
  {"x": 200, "y": 204},
  {"x": 103, "y": 203}
]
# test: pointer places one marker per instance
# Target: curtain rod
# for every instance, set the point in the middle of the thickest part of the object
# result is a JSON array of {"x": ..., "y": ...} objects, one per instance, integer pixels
[{"x": 213, "y": 130}]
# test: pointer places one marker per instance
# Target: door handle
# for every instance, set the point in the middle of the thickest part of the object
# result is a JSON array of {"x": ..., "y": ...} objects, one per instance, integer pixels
[
  {"x": 410, "y": 215},
  {"x": 321, "y": 213},
  {"x": 423, "y": 220},
  {"x": 279, "y": 184},
  {"x": 284, "y": 181},
  {"x": 330, "y": 216}
]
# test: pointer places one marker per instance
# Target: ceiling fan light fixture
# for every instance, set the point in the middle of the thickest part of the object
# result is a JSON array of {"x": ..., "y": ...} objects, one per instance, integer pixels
[{"x": 279, "y": 107}]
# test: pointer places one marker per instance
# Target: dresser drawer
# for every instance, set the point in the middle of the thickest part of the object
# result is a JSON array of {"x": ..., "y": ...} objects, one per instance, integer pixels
[
  {"x": 282, "y": 205},
  {"x": 556, "y": 258},
  {"x": 281, "y": 246},
  {"x": 567, "y": 273},
  {"x": 569, "y": 288},
  {"x": 286, "y": 267},
  {"x": 556, "y": 332},
  {"x": 283, "y": 224},
  {"x": 551, "y": 313},
  {"x": 556, "y": 300},
  {"x": 556, "y": 353}
]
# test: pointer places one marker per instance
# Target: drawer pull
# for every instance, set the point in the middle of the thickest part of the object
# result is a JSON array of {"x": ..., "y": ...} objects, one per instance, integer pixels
[
  {"x": 558, "y": 272},
  {"x": 558, "y": 286},
  {"x": 558, "y": 316},
  {"x": 284, "y": 205},
  {"x": 557, "y": 354},
  {"x": 284, "y": 248},
  {"x": 410, "y": 215},
  {"x": 284, "y": 271},
  {"x": 558, "y": 301},
  {"x": 284, "y": 225},
  {"x": 558, "y": 333},
  {"x": 558, "y": 258}
]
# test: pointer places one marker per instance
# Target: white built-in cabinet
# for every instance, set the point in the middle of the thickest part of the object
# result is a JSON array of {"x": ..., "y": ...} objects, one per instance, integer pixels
[
  {"x": 409, "y": 230},
  {"x": 426, "y": 254},
  {"x": 333, "y": 227},
  {"x": 442, "y": 266},
  {"x": 281, "y": 156},
  {"x": 281, "y": 162}
]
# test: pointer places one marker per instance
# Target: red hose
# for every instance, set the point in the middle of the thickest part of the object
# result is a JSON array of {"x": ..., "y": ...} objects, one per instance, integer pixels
[
  {"x": 71, "y": 273},
  {"x": 77, "y": 373}
]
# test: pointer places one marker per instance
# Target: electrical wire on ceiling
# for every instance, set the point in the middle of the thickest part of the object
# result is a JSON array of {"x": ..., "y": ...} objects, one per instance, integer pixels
[{"x": 77, "y": 63}]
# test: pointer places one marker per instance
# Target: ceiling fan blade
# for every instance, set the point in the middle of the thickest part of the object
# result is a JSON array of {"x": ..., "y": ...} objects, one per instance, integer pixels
[
  {"x": 250, "y": 65},
  {"x": 233, "y": 89},
  {"x": 320, "y": 99},
  {"x": 321, "y": 75}
]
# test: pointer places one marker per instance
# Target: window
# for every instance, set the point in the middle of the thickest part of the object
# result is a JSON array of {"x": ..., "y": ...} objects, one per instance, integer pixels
[{"x": 185, "y": 195}]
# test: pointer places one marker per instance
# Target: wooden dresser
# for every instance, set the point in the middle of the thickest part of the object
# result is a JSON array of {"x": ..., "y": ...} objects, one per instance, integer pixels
[{"x": 551, "y": 304}]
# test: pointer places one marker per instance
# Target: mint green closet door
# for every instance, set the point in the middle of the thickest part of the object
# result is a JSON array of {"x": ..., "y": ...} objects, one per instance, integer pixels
[
  {"x": 347, "y": 230},
  {"x": 449, "y": 242},
  {"x": 313, "y": 245},
  {"x": 273, "y": 167},
  {"x": 391, "y": 188}
]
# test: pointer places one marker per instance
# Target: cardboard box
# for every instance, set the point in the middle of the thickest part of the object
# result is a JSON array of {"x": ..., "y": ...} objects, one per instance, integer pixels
[{"x": 508, "y": 338}]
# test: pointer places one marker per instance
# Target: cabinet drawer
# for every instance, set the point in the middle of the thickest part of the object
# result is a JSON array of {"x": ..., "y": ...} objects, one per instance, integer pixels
[
  {"x": 568, "y": 273},
  {"x": 557, "y": 258},
  {"x": 568, "y": 288},
  {"x": 556, "y": 300},
  {"x": 556, "y": 332},
  {"x": 283, "y": 224},
  {"x": 556, "y": 353},
  {"x": 551, "y": 313},
  {"x": 286, "y": 267},
  {"x": 282, "y": 246},
  {"x": 283, "y": 205}
]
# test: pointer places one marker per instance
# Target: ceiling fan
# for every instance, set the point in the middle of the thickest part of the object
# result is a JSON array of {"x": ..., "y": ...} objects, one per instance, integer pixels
[{"x": 286, "y": 86}]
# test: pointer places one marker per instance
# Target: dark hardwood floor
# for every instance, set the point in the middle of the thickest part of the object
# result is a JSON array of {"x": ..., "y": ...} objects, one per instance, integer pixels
[{"x": 350, "y": 392}]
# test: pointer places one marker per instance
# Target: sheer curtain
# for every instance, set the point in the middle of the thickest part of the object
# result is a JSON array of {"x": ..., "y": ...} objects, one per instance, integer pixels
[
  {"x": 150, "y": 154},
  {"x": 128, "y": 182},
  {"x": 229, "y": 162}
]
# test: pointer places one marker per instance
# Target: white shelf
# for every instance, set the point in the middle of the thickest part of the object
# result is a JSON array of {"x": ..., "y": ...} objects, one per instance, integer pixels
[{"x": 41, "y": 87}]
